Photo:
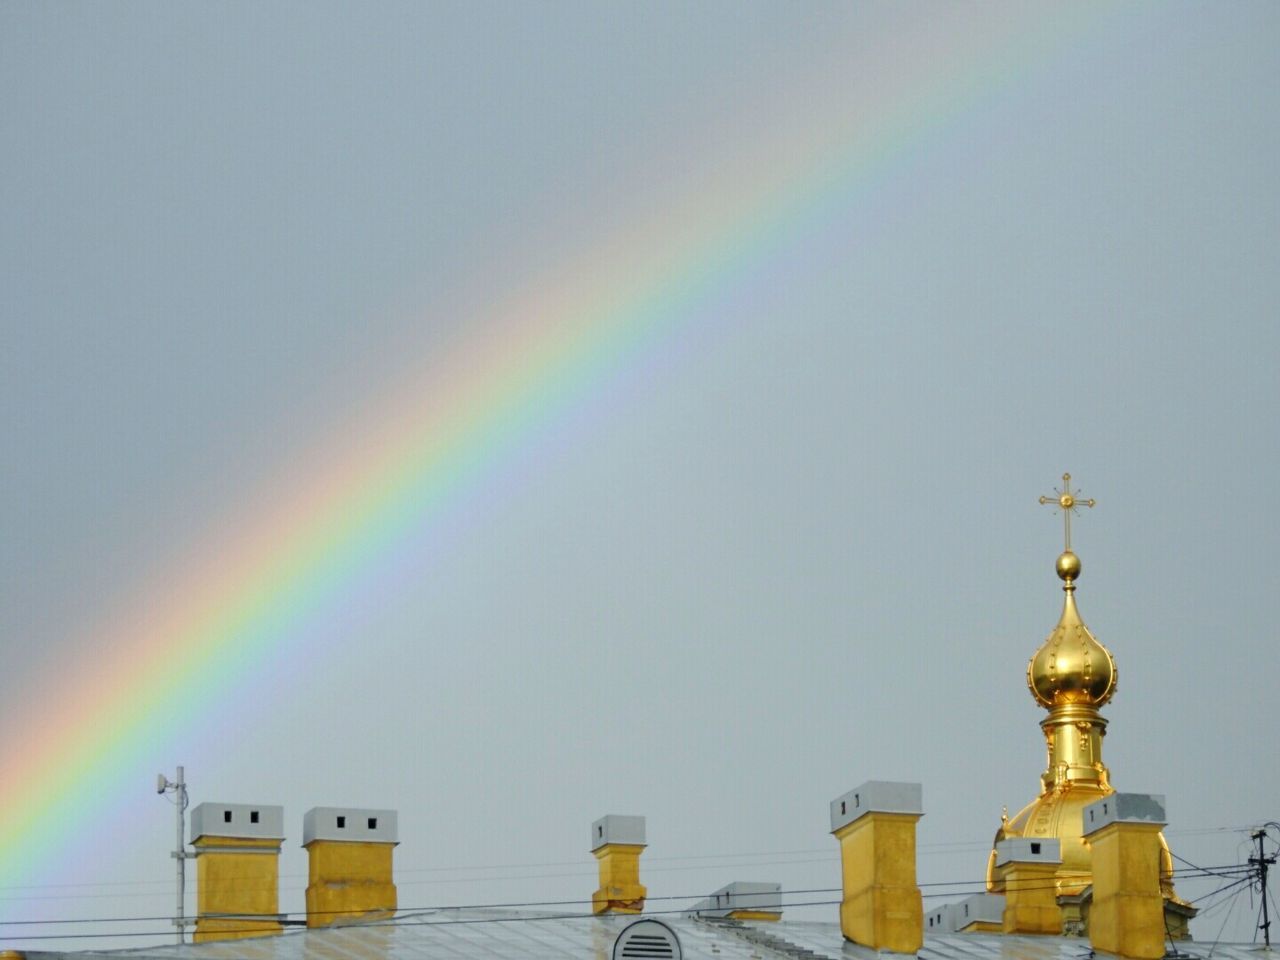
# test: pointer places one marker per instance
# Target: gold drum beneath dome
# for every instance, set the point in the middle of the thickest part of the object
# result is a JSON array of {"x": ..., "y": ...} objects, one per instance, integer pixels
[{"x": 1059, "y": 814}]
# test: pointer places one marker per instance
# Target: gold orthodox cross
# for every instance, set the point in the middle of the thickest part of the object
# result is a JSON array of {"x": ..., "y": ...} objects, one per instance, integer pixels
[{"x": 1067, "y": 502}]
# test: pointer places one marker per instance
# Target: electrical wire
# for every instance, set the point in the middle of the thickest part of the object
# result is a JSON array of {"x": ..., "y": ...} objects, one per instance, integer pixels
[
  {"x": 540, "y": 876},
  {"x": 494, "y": 866},
  {"x": 1218, "y": 939},
  {"x": 404, "y": 911},
  {"x": 1243, "y": 875},
  {"x": 1205, "y": 870},
  {"x": 1236, "y": 885},
  {"x": 929, "y": 849},
  {"x": 1194, "y": 872},
  {"x": 952, "y": 888},
  {"x": 414, "y": 922},
  {"x": 406, "y": 922}
]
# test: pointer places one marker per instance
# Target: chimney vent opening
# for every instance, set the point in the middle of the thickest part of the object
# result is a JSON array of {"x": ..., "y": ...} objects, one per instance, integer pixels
[
  {"x": 1035, "y": 847},
  {"x": 373, "y": 823},
  {"x": 253, "y": 816},
  {"x": 342, "y": 823},
  {"x": 226, "y": 816}
]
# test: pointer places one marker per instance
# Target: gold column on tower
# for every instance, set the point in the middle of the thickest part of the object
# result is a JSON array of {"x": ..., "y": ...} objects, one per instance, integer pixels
[{"x": 1072, "y": 675}]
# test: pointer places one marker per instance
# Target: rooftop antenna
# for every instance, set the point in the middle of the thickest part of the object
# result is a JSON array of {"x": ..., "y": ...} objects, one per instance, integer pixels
[
  {"x": 179, "y": 790},
  {"x": 1262, "y": 861}
]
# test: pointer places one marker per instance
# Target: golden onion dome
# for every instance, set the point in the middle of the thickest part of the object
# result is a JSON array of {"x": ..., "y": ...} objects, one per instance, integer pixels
[{"x": 1071, "y": 666}]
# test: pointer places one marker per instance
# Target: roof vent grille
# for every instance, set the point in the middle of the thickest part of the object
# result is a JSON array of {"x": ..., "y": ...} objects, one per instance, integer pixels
[
  {"x": 642, "y": 946},
  {"x": 647, "y": 940}
]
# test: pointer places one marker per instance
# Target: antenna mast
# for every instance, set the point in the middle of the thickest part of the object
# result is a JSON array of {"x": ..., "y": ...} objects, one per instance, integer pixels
[{"x": 179, "y": 790}]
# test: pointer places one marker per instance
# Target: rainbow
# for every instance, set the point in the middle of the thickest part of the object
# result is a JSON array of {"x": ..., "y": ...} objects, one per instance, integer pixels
[{"x": 323, "y": 529}]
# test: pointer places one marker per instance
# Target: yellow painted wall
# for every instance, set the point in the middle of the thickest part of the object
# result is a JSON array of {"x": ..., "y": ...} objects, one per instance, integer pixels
[
  {"x": 349, "y": 880},
  {"x": 882, "y": 907},
  {"x": 620, "y": 888},
  {"x": 1127, "y": 914},
  {"x": 241, "y": 877}
]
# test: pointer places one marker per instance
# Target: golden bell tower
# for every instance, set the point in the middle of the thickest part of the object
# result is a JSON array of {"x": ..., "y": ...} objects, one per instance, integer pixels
[{"x": 1072, "y": 675}]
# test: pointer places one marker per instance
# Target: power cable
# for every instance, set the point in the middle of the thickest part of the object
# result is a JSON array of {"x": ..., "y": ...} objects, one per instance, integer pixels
[
  {"x": 406, "y": 918},
  {"x": 1192, "y": 871},
  {"x": 925, "y": 848},
  {"x": 1236, "y": 885},
  {"x": 966, "y": 887},
  {"x": 1231, "y": 909},
  {"x": 1178, "y": 874},
  {"x": 402, "y": 923},
  {"x": 1204, "y": 870}
]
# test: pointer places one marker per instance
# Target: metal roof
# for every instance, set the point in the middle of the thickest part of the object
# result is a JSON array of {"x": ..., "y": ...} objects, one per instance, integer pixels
[{"x": 512, "y": 935}]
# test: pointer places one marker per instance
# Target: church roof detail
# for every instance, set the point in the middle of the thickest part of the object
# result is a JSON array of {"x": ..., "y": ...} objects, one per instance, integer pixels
[{"x": 511, "y": 935}]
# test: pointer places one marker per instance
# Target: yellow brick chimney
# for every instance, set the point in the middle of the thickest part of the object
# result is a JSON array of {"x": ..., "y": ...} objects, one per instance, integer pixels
[
  {"x": 1127, "y": 915},
  {"x": 876, "y": 826},
  {"x": 617, "y": 842},
  {"x": 350, "y": 871},
  {"x": 237, "y": 870},
  {"x": 1027, "y": 869}
]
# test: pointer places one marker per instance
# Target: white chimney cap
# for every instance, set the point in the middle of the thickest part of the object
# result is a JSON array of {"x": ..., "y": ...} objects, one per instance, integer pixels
[
  {"x": 617, "y": 829},
  {"x": 239, "y": 821},
  {"x": 876, "y": 796},
  {"x": 1124, "y": 808},
  {"x": 350, "y": 824}
]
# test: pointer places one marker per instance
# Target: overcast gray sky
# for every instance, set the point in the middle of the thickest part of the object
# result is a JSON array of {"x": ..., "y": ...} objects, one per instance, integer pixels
[{"x": 789, "y": 543}]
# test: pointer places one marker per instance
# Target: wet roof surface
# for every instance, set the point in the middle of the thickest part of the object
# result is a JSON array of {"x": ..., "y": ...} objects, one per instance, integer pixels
[{"x": 478, "y": 934}]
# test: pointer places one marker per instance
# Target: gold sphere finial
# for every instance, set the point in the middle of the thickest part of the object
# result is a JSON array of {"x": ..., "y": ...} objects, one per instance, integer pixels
[{"x": 1068, "y": 566}]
